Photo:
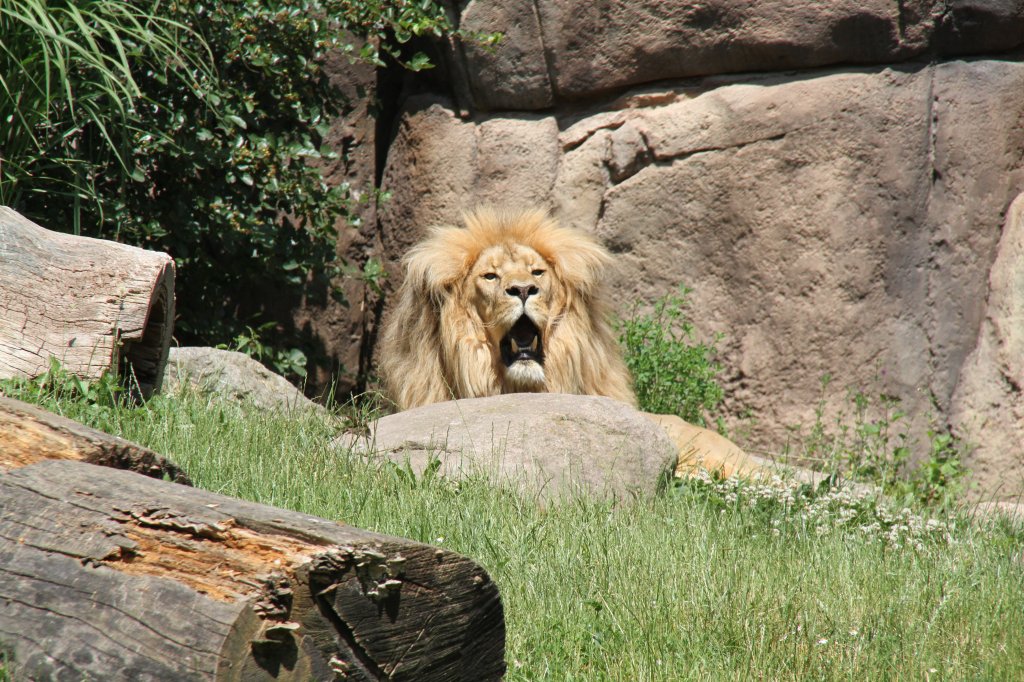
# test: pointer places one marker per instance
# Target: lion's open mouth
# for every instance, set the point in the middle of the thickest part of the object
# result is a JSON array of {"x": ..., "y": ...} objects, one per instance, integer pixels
[{"x": 522, "y": 343}]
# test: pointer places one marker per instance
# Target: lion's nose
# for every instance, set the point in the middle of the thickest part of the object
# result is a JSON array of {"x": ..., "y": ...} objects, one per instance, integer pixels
[{"x": 523, "y": 291}]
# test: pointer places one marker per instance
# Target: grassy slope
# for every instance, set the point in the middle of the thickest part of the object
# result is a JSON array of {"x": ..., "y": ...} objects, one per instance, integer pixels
[{"x": 685, "y": 586}]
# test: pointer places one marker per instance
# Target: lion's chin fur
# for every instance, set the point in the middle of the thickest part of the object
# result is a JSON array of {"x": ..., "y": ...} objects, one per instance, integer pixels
[{"x": 526, "y": 376}]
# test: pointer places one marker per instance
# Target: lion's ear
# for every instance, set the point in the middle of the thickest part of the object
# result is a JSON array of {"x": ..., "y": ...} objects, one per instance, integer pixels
[
  {"x": 437, "y": 263},
  {"x": 578, "y": 259}
]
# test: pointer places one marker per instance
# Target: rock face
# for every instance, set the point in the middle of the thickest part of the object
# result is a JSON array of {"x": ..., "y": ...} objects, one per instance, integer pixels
[
  {"x": 232, "y": 375},
  {"x": 336, "y": 321},
  {"x": 988, "y": 405},
  {"x": 832, "y": 180},
  {"x": 546, "y": 444}
]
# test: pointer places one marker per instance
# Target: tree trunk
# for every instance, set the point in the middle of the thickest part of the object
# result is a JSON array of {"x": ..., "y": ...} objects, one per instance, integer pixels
[
  {"x": 95, "y": 305},
  {"x": 105, "y": 574},
  {"x": 30, "y": 434}
]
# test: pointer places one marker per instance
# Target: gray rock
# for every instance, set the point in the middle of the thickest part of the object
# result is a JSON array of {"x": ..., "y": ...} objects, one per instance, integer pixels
[
  {"x": 234, "y": 376},
  {"x": 546, "y": 444}
]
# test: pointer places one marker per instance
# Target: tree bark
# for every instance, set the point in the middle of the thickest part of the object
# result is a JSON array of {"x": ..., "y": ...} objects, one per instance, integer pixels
[
  {"x": 93, "y": 304},
  {"x": 105, "y": 574},
  {"x": 30, "y": 434}
]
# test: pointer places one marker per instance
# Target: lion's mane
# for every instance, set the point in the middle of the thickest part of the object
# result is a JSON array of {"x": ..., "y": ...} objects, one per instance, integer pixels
[{"x": 435, "y": 345}]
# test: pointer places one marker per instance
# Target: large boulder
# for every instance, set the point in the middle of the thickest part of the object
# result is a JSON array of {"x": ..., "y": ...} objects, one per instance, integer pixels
[
  {"x": 835, "y": 223},
  {"x": 562, "y": 50},
  {"x": 546, "y": 444}
]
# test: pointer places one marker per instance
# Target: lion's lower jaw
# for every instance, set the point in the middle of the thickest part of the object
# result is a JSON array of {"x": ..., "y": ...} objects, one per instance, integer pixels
[{"x": 525, "y": 376}]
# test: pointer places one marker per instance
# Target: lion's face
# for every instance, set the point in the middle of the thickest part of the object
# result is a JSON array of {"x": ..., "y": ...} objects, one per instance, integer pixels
[
  {"x": 511, "y": 287},
  {"x": 511, "y": 302}
]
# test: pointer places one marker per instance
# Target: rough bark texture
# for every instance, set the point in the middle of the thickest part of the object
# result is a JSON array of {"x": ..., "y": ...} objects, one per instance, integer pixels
[
  {"x": 93, "y": 304},
  {"x": 109, "y": 575},
  {"x": 30, "y": 434}
]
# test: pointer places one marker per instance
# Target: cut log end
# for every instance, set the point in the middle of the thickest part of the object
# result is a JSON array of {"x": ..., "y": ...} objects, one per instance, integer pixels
[{"x": 144, "y": 359}]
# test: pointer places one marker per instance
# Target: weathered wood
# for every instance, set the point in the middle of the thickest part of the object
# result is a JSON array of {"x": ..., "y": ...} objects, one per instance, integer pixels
[
  {"x": 93, "y": 304},
  {"x": 30, "y": 434},
  {"x": 105, "y": 574}
]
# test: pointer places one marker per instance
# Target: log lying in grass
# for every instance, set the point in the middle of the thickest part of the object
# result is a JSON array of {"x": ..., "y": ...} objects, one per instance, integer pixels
[
  {"x": 30, "y": 434},
  {"x": 105, "y": 574},
  {"x": 93, "y": 304}
]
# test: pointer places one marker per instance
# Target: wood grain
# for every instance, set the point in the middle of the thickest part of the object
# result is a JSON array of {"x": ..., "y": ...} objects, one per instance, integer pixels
[{"x": 93, "y": 304}]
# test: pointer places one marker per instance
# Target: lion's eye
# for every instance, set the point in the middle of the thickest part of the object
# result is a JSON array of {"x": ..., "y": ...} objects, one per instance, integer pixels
[
  {"x": 537, "y": 273},
  {"x": 490, "y": 275}
]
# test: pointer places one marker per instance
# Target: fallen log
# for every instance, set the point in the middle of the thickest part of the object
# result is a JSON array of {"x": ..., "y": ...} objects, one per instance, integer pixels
[
  {"x": 30, "y": 434},
  {"x": 105, "y": 574},
  {"x": 95, "y": 305}
]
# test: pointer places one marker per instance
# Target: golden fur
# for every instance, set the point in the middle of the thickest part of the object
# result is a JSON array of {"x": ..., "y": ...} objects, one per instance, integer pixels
[{"x": 511, "y": 302}]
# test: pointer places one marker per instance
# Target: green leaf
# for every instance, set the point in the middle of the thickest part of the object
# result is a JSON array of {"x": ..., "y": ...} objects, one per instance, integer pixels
[{"x": 419, "y": 62}]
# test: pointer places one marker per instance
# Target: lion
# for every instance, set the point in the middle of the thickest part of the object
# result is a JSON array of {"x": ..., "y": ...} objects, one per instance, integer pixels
[
  {"x": 511, "y": 303},
  {"x": 514, "y": 302}
]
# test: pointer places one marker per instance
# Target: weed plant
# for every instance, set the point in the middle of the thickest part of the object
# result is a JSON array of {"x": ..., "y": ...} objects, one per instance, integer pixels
[
  {"x": 870, "y": 440},
  {"x": 672, "y": 373},
  {"x": 711, "y": 580}
]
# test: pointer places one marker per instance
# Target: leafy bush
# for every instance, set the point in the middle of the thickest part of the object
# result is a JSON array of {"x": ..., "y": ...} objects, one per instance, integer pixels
[
  {"x": 193, "y": 128},
  {"x": 671, "y": 373},
  {"x": 289, "y": 363}
]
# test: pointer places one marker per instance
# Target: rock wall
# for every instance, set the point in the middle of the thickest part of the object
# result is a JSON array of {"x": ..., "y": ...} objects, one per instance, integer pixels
[
  {"x": 832, "y": 180},
  {"x": 564, "y": 50}
]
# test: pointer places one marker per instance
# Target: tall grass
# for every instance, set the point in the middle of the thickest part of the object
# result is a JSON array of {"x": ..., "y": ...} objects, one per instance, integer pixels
[
  {"x": 709, "y": 581},
  {"x": 67, "y": 93}
]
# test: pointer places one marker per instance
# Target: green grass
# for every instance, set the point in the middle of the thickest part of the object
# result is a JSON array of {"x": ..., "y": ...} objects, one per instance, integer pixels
[{"x": 708, "y": 581}]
